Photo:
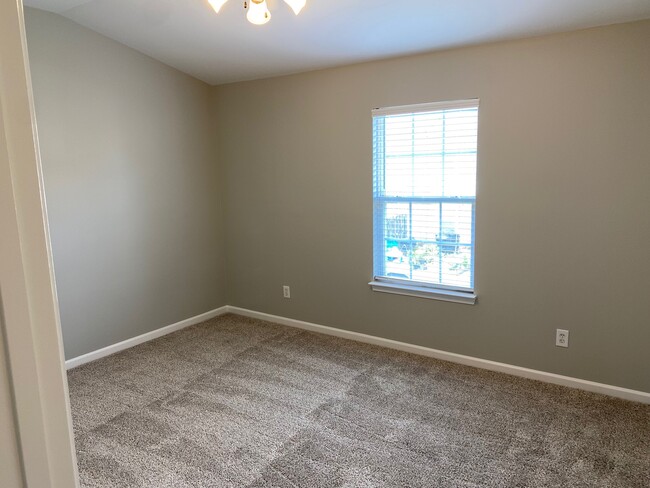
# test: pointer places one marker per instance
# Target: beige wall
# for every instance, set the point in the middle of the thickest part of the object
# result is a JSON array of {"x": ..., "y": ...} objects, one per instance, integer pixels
[
  {"x": 562, "y": 221},
  {"x": 131, "y": 183}
]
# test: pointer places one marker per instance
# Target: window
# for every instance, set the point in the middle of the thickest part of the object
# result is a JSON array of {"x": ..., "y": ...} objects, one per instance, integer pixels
[{"x": 424, "y": 175}]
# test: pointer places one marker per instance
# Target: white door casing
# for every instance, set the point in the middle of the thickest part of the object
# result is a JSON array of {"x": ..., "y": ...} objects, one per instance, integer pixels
[{"x": 28, "y": 300}]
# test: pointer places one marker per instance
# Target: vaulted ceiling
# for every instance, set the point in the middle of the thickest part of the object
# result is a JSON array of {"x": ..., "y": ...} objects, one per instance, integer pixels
[{"x": 190, "y": 36}]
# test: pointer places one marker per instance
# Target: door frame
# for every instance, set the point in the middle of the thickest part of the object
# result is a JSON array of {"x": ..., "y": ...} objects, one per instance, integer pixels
[{"x": 28, "y": 302}]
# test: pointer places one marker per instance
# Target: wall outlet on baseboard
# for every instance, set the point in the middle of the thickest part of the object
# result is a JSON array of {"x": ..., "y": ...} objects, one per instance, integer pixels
[
  {"x": 561, "y": 338},
  {"x": 286, "y": 291}
]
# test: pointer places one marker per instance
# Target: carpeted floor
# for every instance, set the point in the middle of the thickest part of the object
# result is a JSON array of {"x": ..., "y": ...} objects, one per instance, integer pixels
[{"x": 236, "y": 402}]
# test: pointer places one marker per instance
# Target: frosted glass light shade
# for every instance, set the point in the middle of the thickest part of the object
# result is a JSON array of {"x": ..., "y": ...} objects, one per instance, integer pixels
[
  {"x": 217, "y": 4},
  {"x": 296, "y": 5},
  {"x": 258, "y": 12}
]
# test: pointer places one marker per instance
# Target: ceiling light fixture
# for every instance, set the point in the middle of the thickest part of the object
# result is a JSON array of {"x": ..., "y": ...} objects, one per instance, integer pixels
[{"x": 257, "y": 10}]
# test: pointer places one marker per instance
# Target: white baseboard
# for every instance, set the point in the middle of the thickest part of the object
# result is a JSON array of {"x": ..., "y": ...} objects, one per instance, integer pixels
[
  {"x": 154, "y": 334},
  {"x": 614, "y": 391}
]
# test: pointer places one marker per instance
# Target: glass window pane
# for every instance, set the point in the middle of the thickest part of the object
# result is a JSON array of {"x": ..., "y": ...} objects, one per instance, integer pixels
[
  {"x": 456, "y": 222},
  {"x": 396, "y": 241},
  {"x": 399, "y": 135},
  {"x": 461, "y": 128},
  {"x": 426, "y": 221},
  {"x": 396, "y": 221},
  {"x": 456, "y": 267},
  {"x": 459, "y": 175},
  {"x": 427, "y": 133},
  {"x": 399, "y": 176},
  {"x": 427, "y": 176}
]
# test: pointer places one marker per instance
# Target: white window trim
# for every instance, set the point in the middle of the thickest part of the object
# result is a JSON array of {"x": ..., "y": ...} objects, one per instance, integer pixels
[
  {"x": 420, "y": 291},
  {"x": 426, "y": 107}
]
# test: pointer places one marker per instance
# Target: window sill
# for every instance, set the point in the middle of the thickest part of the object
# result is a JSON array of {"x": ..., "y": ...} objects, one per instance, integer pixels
[{"x": 468, "y": 298}]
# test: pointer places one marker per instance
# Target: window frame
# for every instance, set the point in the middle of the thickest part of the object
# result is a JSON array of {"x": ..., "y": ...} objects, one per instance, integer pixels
[{"x": 409, "y": 287}]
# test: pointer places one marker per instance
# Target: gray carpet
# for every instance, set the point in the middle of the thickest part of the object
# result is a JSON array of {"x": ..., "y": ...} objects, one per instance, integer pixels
[{"x": 236, "y": 402}]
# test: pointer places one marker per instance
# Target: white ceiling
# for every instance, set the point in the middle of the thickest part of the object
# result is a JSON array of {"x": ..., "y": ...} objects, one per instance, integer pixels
[{"x": 189, "y": 36}]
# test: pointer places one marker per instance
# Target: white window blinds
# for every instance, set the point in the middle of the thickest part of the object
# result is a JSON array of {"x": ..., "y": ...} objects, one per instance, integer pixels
[{"x": 424, "y": 173}]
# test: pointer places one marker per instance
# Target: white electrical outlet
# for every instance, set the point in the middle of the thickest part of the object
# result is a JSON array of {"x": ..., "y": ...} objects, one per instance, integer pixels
[
  {"x": 561, "y": 338},
  {"x": 286, "y": 291}
]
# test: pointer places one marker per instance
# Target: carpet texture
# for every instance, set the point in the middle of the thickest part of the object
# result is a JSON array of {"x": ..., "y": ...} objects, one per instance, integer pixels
[{"x": 236, "y": 402}]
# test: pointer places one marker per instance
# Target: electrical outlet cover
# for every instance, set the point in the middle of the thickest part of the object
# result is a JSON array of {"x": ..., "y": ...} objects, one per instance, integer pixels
[{"x": 562, "y": 338}]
